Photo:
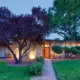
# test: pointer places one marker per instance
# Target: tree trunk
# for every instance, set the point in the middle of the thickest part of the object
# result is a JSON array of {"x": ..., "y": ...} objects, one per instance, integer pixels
[{"x": 18, "y": 61}]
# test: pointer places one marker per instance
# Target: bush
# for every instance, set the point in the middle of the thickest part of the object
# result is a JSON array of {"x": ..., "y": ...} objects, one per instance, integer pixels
[
  {"x": 3, "y": 63},
  {"x": 35, "y": 68},
  {"x": 77, "y": 47},
  {"x": 5, "y": 66},
  {"x": 66, "y": 49},
  {"x": 40, "y": 59},
  {"x": 57, "y": 49},
  {"x": 74, "y": 50}
]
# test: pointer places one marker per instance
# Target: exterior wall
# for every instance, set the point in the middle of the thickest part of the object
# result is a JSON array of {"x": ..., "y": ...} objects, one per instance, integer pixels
[
  {"x": 4, "y": 52},
  {"x": 68, "y": 44},
  {"x": 38, "y": 51},
  {"x": 32, "y": 54},
  {"x": 77, "y": 44}
]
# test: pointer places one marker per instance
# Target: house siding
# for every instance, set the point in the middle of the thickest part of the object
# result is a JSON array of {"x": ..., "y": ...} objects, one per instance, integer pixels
[
  {"x": 38, "y": 51},
  {"x": 4, "y": 52}
]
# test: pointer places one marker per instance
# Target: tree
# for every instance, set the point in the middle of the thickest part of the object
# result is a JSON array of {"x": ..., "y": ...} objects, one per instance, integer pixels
[
  {"x": 24, "y": 31},
  {"x": 64, "y": 18}
]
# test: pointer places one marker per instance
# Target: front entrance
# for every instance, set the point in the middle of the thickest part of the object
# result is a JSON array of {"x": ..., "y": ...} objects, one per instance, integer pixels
[{"x": 46, "y": 51}]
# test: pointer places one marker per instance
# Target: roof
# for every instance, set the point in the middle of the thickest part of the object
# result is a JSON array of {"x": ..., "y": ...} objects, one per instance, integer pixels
[{"x": 61, "y": 40}]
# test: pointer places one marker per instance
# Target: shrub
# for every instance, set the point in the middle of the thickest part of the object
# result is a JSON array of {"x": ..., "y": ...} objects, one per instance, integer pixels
[
  {"x": 77, "y": 47},
  {"x": 57, "y": 49},
  {"x": 5, "y": 66},
  {"x": 3, "y": 63},
  {"x": 74, "y": 50},
  {"x": 35, "y": 68},
  {"x": 40, "y": 59},
  {"x": 66, "y": 49}
]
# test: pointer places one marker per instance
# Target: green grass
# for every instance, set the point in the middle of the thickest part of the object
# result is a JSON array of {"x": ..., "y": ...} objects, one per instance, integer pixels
[
  {"x": 14, "y": 72},
  {"x": 68, "y": 69}
]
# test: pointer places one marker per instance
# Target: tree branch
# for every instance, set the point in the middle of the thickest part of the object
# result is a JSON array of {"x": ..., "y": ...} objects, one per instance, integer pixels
[
  {"x": 28, "y": 52},
  {"x": 29, "y": 45},
  {"x": 7, "y": 45}
]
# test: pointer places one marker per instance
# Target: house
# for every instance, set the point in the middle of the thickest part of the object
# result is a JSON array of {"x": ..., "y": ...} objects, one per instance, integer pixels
[{"x": 44, "y": 49}]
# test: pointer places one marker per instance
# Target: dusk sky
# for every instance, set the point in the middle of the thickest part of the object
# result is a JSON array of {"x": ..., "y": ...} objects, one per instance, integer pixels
[{"x": 25, "y": 6}]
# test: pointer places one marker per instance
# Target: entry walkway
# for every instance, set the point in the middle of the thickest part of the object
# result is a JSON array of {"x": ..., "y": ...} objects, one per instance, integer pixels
[{"x": 48, "y": 73}]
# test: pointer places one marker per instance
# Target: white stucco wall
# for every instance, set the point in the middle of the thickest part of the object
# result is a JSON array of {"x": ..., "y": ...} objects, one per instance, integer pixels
[
  {"x": 32, "y": 54},
  {"x": 4, "y": 52},
  {"x": 38, "y": 50}
]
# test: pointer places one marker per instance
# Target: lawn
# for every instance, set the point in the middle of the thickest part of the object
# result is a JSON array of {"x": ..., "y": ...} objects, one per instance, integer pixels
[
  {"x": 67, "y": 69},
  {"x": 14, "y": 72}
]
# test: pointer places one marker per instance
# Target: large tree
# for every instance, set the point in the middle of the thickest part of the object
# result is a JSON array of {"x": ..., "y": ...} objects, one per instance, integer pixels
[
  {"x": 24, "y": 31},
  {"x": 64, "y": 18}
]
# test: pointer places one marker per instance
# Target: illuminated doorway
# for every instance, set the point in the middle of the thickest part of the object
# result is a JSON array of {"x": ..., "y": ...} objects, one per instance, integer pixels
[{"x": 46, "y": 50}]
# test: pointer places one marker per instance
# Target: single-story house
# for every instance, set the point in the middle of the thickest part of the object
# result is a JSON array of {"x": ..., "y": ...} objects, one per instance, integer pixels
[{"x": 44, "y": 49}]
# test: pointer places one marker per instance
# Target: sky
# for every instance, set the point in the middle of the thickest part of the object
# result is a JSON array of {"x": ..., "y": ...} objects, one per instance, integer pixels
[{"x": 25, "y": 6}]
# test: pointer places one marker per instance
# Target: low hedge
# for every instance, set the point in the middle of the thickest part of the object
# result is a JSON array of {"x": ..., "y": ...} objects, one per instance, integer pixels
[
  {"x": 40, "y": 59},
  {"x": 77, "y": 47},
  {"x": 36, "y": 68},
  {"x": 74, "y": 50},
  {"x": 57, "y": 49},
  {"x": 66, "y": 49}
]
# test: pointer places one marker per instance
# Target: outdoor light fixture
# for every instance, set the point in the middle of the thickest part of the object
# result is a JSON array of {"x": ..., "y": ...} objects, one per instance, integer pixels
[{"x": 47, "y": 45}]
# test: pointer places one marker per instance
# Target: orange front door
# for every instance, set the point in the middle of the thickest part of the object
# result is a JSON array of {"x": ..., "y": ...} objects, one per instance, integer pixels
[{"x": 47, "y": 52}]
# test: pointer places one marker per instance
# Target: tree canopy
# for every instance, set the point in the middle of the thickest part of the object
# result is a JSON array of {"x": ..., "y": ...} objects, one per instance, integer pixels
[
  {"x": 24, "y": 30},
  {"x": 64, "y": 18}
]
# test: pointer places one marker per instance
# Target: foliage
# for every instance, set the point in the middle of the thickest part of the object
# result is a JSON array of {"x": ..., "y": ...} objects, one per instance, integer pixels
[
  {"x": 77, "y": 47},
  {"x": 67, "y": 69},
  {"x": 74, "y": 50},
  {"x": 57, "y": 49},
  {"x": 36, "y": 68},
  {"x": 66, "y": 49},
  {"x": 3, "y": 63},
  {"x": 57, "y": 39},
  {"x": 40, "y": 59},
  {"x": 14, "y": 72},
  {"x": 64, "y": 18},
  {"x": 5, "y": 12},
  {"x": 25, "y": 31}
]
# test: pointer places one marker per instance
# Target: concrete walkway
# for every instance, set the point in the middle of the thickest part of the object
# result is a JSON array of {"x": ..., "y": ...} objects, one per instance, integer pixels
[{"x": 48, "y": 73}]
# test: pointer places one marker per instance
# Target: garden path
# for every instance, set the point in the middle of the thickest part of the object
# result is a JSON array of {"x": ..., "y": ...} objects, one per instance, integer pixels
[{"x": 48, "y": 72}]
